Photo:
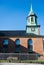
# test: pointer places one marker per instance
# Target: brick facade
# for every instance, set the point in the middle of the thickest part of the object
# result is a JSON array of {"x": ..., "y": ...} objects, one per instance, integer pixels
[{"x": 37, "y": 44}]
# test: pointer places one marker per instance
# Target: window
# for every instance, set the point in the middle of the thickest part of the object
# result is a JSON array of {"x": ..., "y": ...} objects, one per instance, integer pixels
[
  {"x": 17, "y": 42},
  {"x": 5, "y": 49},
  {"x": 30, "y": 48},
  {"x": 17, "y": 46},
  {"x": 5, "y": 42},
  {"x": 32, "y": 20},
  {"x": 5, "y": 46}
]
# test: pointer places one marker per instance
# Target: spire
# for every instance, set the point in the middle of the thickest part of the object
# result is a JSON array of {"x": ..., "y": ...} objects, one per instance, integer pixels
[{"x": 31, "y": 10}]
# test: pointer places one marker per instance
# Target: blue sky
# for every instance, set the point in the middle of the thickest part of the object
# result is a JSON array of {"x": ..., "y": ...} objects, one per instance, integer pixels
[{"x": 13, "y": 13}]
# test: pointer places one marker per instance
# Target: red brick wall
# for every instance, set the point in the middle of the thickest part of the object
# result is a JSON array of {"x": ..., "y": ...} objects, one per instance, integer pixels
[{"x": 37, "y": 44}]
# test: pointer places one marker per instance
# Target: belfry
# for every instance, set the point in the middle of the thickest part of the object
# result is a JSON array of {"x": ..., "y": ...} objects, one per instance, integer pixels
[{"x": 32, "y": 26}]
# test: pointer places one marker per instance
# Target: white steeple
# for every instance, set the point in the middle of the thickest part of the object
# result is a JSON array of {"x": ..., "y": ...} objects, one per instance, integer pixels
[
  {"x": 31, "y": 11},
  {"x": 32, "y": 26}
]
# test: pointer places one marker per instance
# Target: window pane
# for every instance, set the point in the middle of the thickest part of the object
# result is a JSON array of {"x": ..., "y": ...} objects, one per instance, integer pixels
[
  {"x": 17, "y": 42},
  {"x": 29, "y": 42},
  {"x": 5, "y": 50},
  {"x": 5, "y": 42},
  {"x": 32, "y": 19},
  {"x": 17, "y": 48},
  {"x": 30, "y": 48},
  {"x": 17, "y": 45}
]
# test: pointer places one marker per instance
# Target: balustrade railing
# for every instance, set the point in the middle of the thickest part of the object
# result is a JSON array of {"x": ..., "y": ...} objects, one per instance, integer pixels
[{"x": 19, "y": 56}]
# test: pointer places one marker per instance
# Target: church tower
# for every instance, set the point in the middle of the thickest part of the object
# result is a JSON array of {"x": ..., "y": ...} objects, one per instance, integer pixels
[{"x": 32, "y": 26}]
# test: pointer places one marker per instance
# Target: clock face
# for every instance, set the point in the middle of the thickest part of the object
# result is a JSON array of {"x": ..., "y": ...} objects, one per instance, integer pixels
[{"x": 32, "y": 29}]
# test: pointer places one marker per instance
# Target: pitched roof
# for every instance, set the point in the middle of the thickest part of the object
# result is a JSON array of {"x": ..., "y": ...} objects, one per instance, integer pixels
[
  {"x": 20, "y": 33},
  {"x": 12, "y": 33}
]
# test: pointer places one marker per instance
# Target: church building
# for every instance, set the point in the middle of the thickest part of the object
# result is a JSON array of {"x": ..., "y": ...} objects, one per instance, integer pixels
[{"x": 28, "y": 41}]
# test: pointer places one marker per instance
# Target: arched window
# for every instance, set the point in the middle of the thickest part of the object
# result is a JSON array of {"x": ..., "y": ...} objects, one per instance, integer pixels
[
  {"x": 17, "y": 42},
  {"x": 5, "y": 46},
  {"x": 5, "y": 42},
  {"x": 17, "y": 45},
  {"x": 30, "y": 47}
]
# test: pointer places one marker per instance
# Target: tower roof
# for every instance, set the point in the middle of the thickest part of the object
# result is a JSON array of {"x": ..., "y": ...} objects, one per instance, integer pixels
[{"x": 31, "y": 13}]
